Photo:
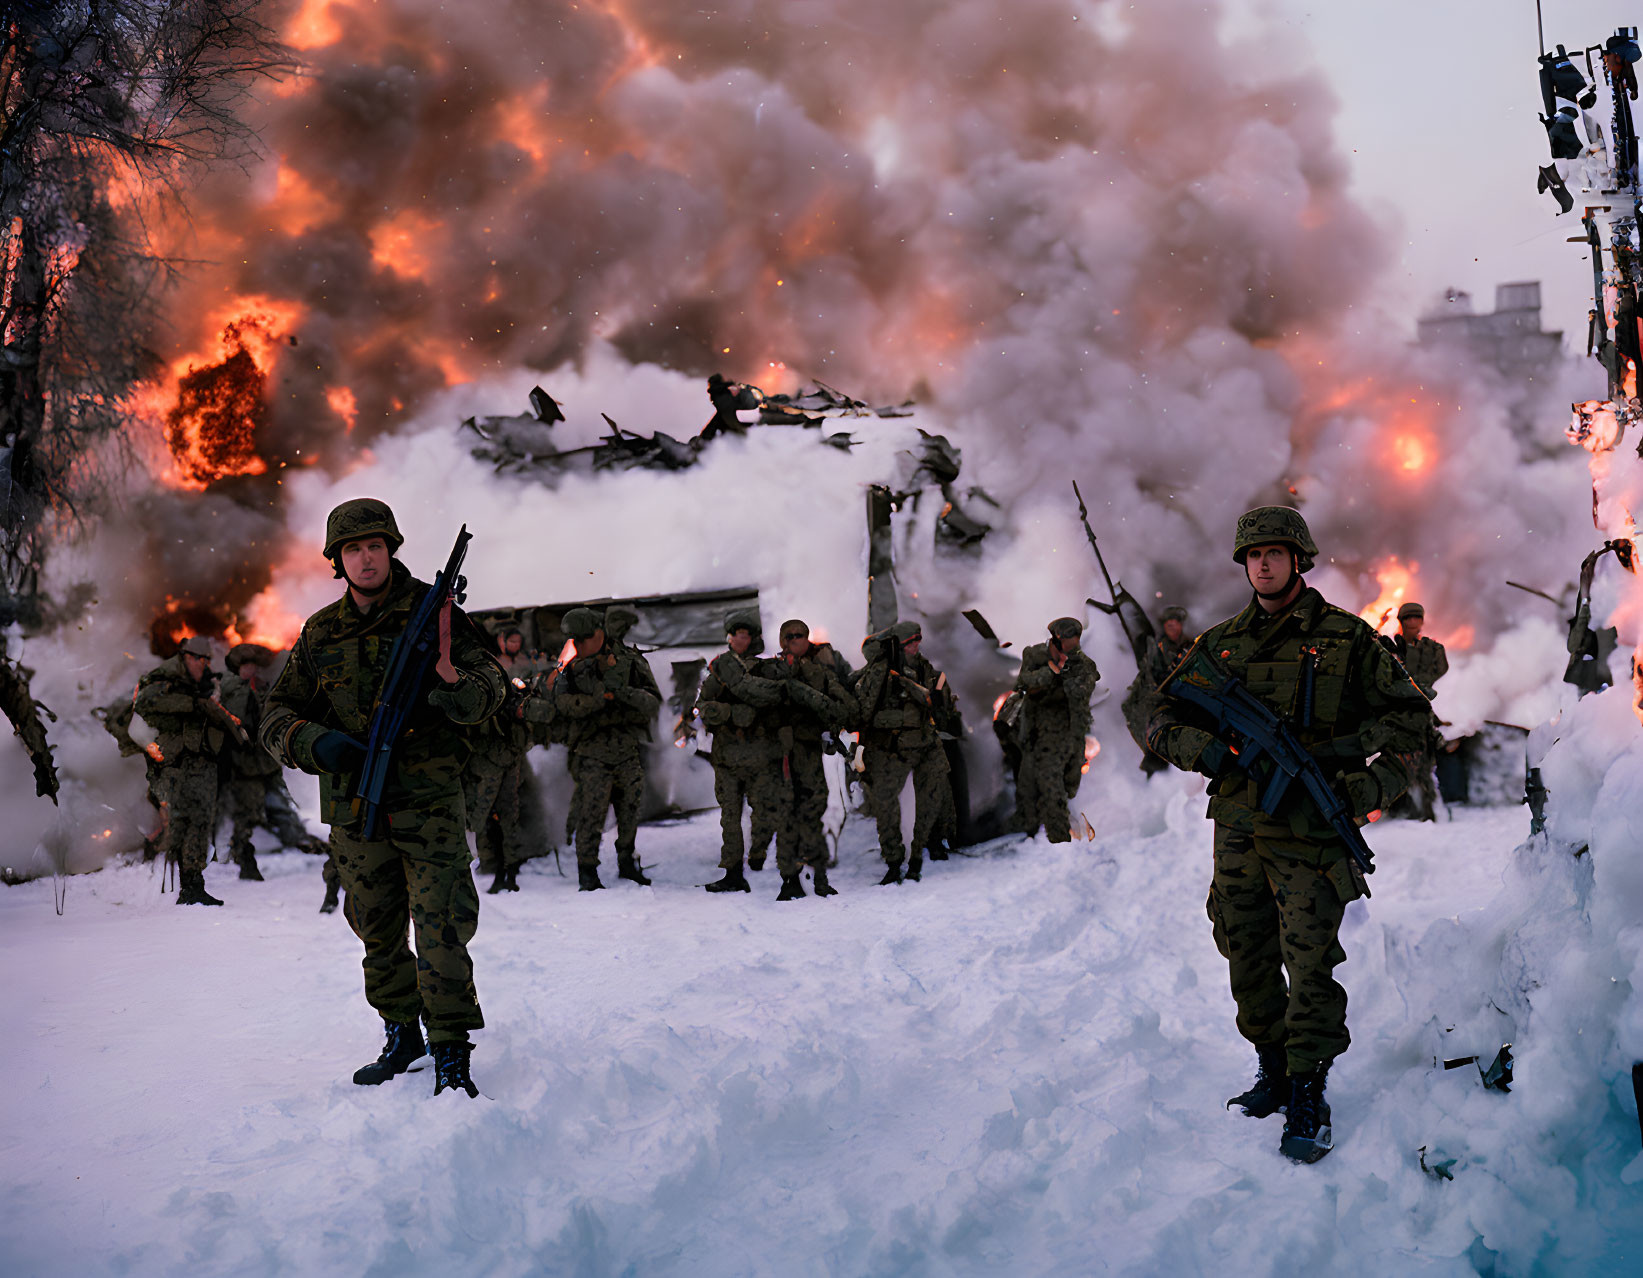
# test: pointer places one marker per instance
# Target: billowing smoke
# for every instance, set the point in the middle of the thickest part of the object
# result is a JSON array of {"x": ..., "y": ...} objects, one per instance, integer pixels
[{"x": 1093, "y": 241}]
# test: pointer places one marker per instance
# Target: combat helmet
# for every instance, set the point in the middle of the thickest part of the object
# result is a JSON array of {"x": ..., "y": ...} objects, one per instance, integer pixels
[
  {"x": 1066, "y": 628},
  {"x": 743, "y": 619},
  {"x": 579, "y": 623},
  {"x": 1411, "y": 609},
  {"x": 1175, "y": 612},
  {"x": 1268, "y": 524},
  {"x": 619, "y": 619},
  {"x": 357, "y": 518},
  {"x": 196, "y": 646}
]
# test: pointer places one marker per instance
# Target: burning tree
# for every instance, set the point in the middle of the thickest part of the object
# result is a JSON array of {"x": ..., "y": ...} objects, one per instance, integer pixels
[{"x": 106, "y": 109}]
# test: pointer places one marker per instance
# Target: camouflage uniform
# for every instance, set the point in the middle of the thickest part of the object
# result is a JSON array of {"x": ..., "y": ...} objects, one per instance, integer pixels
[
  {"x": 1426, "y": 662},
  {"x": 190, "y": 737},
  {"x": 417, "y": 865},
  {"x": 606, "y": 703},
  {"x": 256, "y": 791},
  {"x": 1281, "y": 883},
  {"x": 1055, "y": 720},
  {"x": 900, "y": 738},
  {"x": 739, "y": 702},
  {"x": 816, "y": 702},
  {"x": 491, "y": 786}
]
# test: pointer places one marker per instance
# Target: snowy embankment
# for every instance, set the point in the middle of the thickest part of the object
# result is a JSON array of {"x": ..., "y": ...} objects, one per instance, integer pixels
[{"x": 1017, "y": 1066}]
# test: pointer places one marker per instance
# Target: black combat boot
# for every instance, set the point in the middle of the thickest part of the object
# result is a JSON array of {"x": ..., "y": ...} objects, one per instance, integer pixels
[
  {"x": 627, "y": 867},
  {"x": 1270, "y": 1091},
  {"x": 191, "y": 889},
  {"x": 506, "y": 880},
  {"x": 792, "y": 888},
  {"x": 248, "y": 866},
  {"x": 451, "y": 1068},
  {"x": 1307, "y": 1135},
  {"x": 755, "y": 861},
  {"x": 915, "y": 867},
  {"x": 938, "y": 851},
  {"x": 891, "y": 875},
  {"x": 329, "y": 905},
  {"x": 587, "y": 878},
  {"x": 733, "y": 881},
  {"x": 404, "y": 1047},
  {"x": 821, "y": 885}
]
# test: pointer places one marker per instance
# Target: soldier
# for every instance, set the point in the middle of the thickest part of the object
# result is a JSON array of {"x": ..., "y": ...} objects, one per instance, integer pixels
[
  {"x": 1170, "y": 645},
  {"x": 900, "y": 693},
  {"x": 1281, "y": 884},
  {"x": 1427, "y": 662},
  {"x": 490, "y": 790},
  {"x": 739, "y": 703},
  {"x": 416, "y": 865},
  {"x": 177, "y": 699},
  {"x": 606, "y": 698},
  {"x": 26, "y": 715},
  {"x": 1057, "y": 680},
  {"x": 255, "y": 788},
  {"x": 816, "y": 702}
]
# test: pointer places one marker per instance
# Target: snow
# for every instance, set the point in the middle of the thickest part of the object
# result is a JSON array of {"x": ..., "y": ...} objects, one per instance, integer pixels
[{"x": 1018, "y": 1066}]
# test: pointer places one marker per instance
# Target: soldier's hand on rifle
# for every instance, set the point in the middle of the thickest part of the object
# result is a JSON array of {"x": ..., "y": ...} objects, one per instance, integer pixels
[
  {"x": 338, "y": 752},
  {"x": 443, "y": 667},
  {"x": 1361, "y": 791}
]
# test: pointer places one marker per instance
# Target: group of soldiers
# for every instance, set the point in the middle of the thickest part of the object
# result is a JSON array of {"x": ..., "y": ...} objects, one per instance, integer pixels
[{"x": 1283, "y": 873}]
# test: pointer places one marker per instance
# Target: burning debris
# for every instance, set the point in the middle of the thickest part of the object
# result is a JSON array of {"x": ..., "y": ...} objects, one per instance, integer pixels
[{"x": 524, "y": 444}]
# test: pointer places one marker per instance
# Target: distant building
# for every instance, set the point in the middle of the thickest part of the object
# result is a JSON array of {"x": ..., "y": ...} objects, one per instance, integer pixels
[{"x": 1510, "y": 341}]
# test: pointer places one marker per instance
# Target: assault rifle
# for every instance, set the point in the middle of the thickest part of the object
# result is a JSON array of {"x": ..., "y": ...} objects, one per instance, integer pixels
[
  {"x": 409, "y": 661},
  {"x": 1131, "y": 616},
  {"x": 1257, "y": 736}
]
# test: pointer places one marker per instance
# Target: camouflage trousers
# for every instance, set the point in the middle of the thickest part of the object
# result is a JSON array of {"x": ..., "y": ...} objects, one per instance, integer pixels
[
  {"x": 604, "y": 782},
  {"x": 493, "y": 799},
  {"x": 1418, "y": 801},
  {"x": 264, "y": 803},
  {"x": 888, "y": 768},
  {"x": 1051, "y": 771},
  {"x": 800, "y": 840},
  {"x": 188, "y": 802},
  {"x": 1274, "y": 912},
  {"x": 760, "y": 786},
  {"x": 417, "y": 867}
]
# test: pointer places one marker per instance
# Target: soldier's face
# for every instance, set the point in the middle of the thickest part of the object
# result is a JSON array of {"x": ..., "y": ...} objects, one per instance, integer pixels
[
  {"x": 196, "y": 666},
  {"x": 592, "y": 644},
  {"x": 796, "y": 645},
  {"x": 1270, "y": 568},
  {"x": 1412, "y": 627},
  {"x": 1068, "y": 643},
  {"x": 912, "y": 645},
  {"x": 512, "y": 644},
  {"x": 741, "y": 641},
  {"x": 1172, "y": 630},
  {"x": 365, "y": 563}
]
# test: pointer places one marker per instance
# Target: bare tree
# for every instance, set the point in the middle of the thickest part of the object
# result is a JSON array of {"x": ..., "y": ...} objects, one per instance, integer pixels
[{"x": 107, "y": 107}]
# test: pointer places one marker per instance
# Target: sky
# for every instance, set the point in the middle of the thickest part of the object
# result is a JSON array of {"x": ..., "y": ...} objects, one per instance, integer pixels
[{"x": 1439, "y": 108}]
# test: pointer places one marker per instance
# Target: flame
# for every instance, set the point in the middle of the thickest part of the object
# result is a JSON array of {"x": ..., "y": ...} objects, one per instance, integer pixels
[
  {"x": 314, "y": 26},
  {"x": 401, "y": 244},
  {"x": 344, "y": 405},
  {"x": 1395, "y": 582},
  {"x": 152, "y": 749},
  {"x": 1092, "y": 747},
  {"x": 1411, "y": 451},
  {"x": 210, "y": 404},
  {"x": 267, "y": 621},
  {"x": 298, "y": 205},
  {"x": 998, "y": 703}
]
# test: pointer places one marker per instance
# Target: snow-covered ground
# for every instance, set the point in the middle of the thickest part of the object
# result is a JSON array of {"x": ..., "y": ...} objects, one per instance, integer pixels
[{"x": 1017, "y": 1066}]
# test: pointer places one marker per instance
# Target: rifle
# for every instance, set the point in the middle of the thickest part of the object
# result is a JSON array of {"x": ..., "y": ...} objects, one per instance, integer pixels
[
  {"x": 1254, "y": 732},
  {"x": 409, "y": 661},
  {"x": 1143, "y": 636}
]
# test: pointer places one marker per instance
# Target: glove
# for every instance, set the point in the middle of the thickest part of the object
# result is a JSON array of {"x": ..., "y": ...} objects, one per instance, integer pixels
[
  {"x": 338, "y": 752},
  {"x": 1361, "y": 791},
  {"x": 460, "y": 701},
  {"x": 1215, "y": 758}
]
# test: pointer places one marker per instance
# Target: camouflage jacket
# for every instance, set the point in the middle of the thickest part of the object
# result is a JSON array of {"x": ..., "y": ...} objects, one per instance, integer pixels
[
  {"x": 1163, "y": 655},
  {"x": 245, "y": 703},
  {"x": 26, "y": 715},
  {"x": 1364, "y": 705},
  {"x": 172, "y": 704},
  {"x": 1425, "y": 660},
  {"x": 815, "y": 700},
  {"x": 606, "y": 702},
  {"x": 895, "y": 713},
  {"x": 331, "y": 683},
  {"x": 1057, "y": 702},
  {"x": 740, "y": 703}
]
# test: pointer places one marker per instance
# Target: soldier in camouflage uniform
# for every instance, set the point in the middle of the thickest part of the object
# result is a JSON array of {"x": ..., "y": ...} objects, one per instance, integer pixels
[
  {"x": 901, "y": 694},
  {"x": 816, "y": 702},
  {"x": 1170, "y": 645},
  {"x": 1281, "y": 883},
  {"x": 1057, "y": 681},
  {"x": 492, "y": 782},
  {"x": 1427, "y": 662},
  {"x": 607, "y": 699},
  {"x": 178, "y": 701},
  {"x": 740, "y": 703},
  {"x": 255, "y": 789},
  {"x": 416, "y": 867}
]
